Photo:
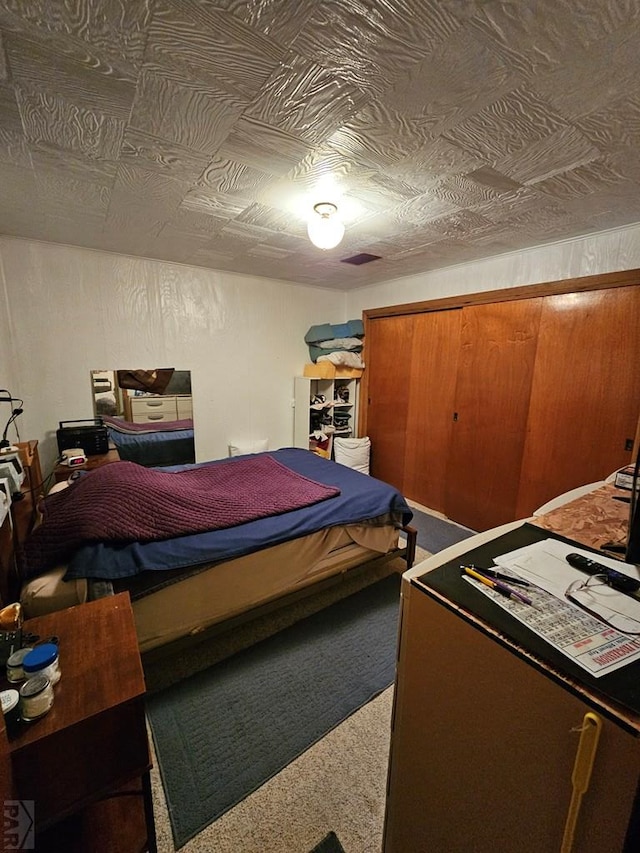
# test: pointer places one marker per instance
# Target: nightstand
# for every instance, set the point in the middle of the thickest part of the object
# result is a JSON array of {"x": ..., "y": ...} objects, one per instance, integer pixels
[
  {"x": 78, "y": 762},
  {"x": 62, "y": 472}
]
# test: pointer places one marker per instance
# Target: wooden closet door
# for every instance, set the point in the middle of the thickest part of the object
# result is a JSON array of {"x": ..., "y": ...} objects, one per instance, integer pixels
[
  {"x": 434, "y": 366},
  {"x": 388, "y": 366},
  {"x": 585, "y": 397},
  {"x": 495, "y": 372}
]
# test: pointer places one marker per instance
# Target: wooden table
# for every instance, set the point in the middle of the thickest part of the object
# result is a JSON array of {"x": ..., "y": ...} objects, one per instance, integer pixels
[
  {"x": 75, "y": 761},
  {"x": 62, "y": 472}
]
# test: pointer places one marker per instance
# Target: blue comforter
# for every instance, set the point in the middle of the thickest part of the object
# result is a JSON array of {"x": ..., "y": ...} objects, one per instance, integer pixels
[
  {"x": 361, "y": 498},
  {"x": 155, "y": 448}
]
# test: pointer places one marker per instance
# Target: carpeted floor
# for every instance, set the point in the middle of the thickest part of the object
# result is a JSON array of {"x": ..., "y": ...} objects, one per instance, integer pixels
[
  {"x": 435, "y": 533},
  {"x": 222, "y": 733}
]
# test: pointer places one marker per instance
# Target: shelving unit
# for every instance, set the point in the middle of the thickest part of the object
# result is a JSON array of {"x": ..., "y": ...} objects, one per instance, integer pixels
[{"x": 325, "y": 406}]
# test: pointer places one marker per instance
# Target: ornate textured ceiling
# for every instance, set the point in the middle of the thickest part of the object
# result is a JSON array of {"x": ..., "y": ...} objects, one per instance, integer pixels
[{"x": 203, "y": 132}]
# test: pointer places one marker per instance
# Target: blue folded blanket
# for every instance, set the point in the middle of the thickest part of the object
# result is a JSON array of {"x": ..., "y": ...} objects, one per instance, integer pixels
[{"x": 326, "y": 331}]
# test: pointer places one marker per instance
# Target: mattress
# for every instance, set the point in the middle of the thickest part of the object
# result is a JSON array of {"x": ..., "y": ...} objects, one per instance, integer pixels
[
  {"x": 194, "y": 603},
  {"x": 228, "y": 589}
]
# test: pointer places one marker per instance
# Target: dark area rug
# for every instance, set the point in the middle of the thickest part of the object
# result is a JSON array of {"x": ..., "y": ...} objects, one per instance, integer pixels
[
  {"x": 222, "y": 733},
  {"x": 435, "y": 534},
  {"x": 329, "y": 844}
]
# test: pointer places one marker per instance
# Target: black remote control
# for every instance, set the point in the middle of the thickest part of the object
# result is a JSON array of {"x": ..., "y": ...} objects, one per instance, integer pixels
[{"x": 616, "y": 580}]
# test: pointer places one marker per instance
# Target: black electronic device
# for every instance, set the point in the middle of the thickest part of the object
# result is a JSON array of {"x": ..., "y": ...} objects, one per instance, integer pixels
[
  {"x": 632, "y": 554},
  {"x": 91, "y": 435},
  {"x": 616, "y": 580},
  {"x": 10, "y": 642}
]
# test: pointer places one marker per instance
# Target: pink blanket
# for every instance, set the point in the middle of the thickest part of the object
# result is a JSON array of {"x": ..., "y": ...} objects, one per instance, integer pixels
[{"x": 125, "y": 502}]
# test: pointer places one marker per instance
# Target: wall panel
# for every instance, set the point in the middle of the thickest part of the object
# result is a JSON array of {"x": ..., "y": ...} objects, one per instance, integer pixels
[
  {"x": 603, "y": 252},
  {"x": 73, "y": 310}
]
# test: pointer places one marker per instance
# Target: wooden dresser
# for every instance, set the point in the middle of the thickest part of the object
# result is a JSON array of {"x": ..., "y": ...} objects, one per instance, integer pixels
[
  {"x": 84, "y": 766},
  {"x": 151, "y": 408}
]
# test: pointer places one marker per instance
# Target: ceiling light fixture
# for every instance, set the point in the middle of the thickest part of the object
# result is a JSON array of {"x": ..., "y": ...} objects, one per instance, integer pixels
[{"x": 325, "y": 229}]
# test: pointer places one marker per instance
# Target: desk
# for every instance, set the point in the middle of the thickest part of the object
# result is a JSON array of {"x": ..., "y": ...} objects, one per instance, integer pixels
[
  {"x": 93, "y": 741},
  {"x": 62, "y": 472},
  {"x": 485, "y": 735}
]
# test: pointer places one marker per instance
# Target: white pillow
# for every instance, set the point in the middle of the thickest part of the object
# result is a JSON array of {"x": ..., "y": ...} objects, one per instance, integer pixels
[
  {"x": 240, "y": 448},
  {"x": 353, "y": 452}
]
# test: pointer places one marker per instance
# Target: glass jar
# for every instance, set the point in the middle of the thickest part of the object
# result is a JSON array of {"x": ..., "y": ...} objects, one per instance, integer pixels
[
  {"x": 15, "y": 672},
  {"x": 10, "y": 700},
  {"x": 43, "y": 660},
  {"x": 36, "y": 698}
]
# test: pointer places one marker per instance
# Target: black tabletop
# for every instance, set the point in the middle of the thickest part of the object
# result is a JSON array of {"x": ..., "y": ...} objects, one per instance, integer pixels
[{"x": 622, "y": 686}]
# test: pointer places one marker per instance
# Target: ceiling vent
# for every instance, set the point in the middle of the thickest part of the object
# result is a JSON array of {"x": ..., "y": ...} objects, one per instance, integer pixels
[{"x": 362, "y": 258}]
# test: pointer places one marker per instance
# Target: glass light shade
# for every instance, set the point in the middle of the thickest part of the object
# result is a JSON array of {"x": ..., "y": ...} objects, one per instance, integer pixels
[{"x": 324, "y": 229}]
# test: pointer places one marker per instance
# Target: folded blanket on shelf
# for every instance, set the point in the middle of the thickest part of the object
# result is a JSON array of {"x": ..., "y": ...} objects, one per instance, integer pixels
[
  {"x": 326, "y": 331},
  {"x": 342, "y": 337}
]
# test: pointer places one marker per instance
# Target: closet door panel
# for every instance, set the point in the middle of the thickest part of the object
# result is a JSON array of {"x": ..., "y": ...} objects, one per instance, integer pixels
[
  {"x": 495, "y": 373},
  {"x": 388, "y": 364},
  {"x": 434, "y": 365},
  {"x": 585, "y": 397}
]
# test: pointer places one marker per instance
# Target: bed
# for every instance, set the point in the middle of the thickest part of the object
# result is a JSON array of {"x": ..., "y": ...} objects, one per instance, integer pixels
[
  {"x": 186, "y": 585},
  {"x": 151, "y": 445}
]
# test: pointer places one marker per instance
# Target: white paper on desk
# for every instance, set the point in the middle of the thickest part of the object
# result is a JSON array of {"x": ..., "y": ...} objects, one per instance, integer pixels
[{"x": 543, "y": 563}]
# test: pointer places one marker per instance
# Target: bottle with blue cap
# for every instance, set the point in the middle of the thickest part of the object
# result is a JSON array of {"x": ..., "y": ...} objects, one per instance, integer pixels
[{"x": 43, "y": 660}]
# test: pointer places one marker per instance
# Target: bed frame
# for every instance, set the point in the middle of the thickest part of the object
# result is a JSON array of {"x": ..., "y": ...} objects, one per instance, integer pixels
[
  {"x": 57, "y": 594},
  {"x": 359, "y": 575},
  {"x": 174, "y": 661}
]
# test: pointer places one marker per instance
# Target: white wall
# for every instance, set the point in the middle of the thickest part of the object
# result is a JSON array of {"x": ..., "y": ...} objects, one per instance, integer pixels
[
  {"x": 73, "y": 310},
  {"x": 608, "y": 251},
  {"x": 7, "y": 355}
]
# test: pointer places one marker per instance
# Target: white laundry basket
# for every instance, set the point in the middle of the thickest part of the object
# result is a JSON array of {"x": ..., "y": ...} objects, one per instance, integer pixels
[{"x": 353, "y": 452}]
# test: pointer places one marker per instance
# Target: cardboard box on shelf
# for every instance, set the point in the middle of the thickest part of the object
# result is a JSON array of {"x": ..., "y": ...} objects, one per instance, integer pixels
[{"x": 326, "y": 370}]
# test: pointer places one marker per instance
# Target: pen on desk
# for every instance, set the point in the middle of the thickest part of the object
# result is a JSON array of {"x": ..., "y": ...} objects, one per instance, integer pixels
[
  {"x": 499, "y": 576},
  {"x": 497, "y": 584}
]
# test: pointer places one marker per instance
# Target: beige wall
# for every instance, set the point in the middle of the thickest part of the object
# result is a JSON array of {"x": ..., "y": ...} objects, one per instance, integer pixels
[
  {"x": 608, "y": 251},
  {"x": 72, "y": 310}
]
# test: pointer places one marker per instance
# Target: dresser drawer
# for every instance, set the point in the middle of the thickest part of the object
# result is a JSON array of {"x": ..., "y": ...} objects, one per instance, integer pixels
[
  {"x": 154, "y": 417},
  {"x": 185, "y": 408},
  {"x": 145, "y": 409}
]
